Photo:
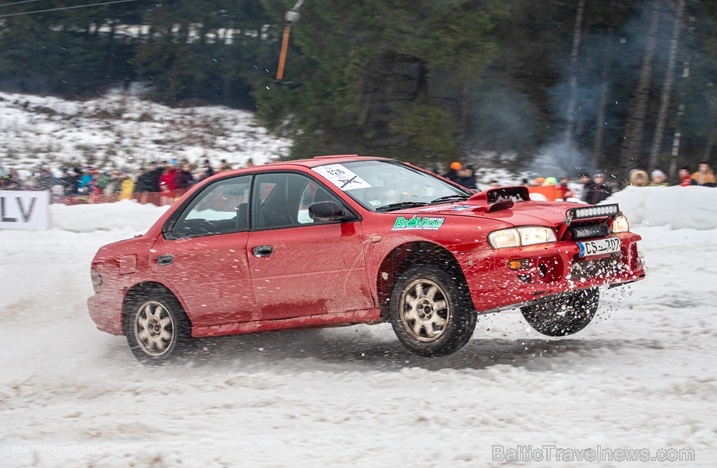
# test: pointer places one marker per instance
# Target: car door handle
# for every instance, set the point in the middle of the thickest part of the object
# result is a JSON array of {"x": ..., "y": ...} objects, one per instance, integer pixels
[
  {"x": 262, "y": 250},
  {"x": 165, "y": 259}
]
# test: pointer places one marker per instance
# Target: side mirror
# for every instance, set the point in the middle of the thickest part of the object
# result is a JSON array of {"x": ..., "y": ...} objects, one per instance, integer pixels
[{"x": 327, "y": 211}]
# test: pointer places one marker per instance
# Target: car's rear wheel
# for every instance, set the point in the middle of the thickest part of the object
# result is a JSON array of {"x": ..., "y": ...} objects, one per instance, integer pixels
[
  {"x": 431, "y": 314},
  {"x": 157, "y": 328},
  {"x": 565, "y": 314}
]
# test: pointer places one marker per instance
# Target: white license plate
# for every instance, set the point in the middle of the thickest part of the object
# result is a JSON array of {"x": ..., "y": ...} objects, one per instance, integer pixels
[{"x": 599, "y": 247}]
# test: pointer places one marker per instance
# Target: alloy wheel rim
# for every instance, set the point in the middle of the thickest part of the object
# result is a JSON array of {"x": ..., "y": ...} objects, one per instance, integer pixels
[
  {"x": 154, "y": 329},
  {"x": 424, "y": 310}
]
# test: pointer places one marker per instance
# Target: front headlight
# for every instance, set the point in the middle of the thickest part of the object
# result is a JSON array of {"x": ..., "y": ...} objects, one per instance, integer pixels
[
  {"x": 620, "y": 224},
  {"x": 521, "y": 236}
]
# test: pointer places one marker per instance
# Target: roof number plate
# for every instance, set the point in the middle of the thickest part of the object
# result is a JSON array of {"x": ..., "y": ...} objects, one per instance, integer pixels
[{"x": 599, "y": 247}]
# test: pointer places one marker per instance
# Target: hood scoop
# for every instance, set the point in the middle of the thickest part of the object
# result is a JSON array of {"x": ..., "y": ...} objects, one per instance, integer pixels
[
  {"x": 497, "y": 206},
  {"x": 500, "y": 205},
  {"x": 498, "y": 199}
]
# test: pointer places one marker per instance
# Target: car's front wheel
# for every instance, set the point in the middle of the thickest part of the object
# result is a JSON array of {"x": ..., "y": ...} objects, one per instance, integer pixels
[
  {"x": 156, "y": 327},
  {"x": 430, "y": 313},
  {"x": 563, "y": 315}
]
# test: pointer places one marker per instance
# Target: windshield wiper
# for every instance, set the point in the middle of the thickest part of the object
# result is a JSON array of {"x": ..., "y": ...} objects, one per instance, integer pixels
[
  {"x": 450, "y": 198},
  {"x": 401, "y": 205}
]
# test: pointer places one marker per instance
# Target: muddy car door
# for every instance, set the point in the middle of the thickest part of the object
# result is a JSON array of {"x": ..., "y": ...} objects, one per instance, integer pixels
[
  {"x": 202, "y": 254},
  {"x": 301, "y": 266}
]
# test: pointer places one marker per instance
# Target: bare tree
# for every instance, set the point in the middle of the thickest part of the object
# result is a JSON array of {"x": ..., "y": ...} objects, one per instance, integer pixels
[
  {"x": 631, "y": 149},
  {"x": 709, "y": 146},
  {"x": 602, "y": 106},
  {"x": 570, "y": 112},
  {"x": 667, "y": 86}
]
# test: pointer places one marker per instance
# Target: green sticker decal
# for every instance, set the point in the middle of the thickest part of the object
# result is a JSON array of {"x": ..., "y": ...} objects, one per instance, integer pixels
[{"x": 416, "y": 222}]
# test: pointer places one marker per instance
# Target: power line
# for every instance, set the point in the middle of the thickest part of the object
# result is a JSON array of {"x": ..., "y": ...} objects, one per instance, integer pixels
[
  {"x": 64, "y": 8},
  {"x": 18, "y": 3}
]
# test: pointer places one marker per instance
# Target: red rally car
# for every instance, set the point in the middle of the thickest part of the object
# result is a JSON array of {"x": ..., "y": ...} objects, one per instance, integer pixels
[{"x": 338, "y": 240}]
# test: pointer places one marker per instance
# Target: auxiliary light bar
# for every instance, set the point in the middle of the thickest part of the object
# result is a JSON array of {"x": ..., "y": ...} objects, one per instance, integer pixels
[{"x": 597, "y": 211}]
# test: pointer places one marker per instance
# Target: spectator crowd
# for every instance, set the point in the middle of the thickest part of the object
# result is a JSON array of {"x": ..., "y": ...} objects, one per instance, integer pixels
[
  {"x": 159, "y": 183},
  {"x": 589, "y": 189}
]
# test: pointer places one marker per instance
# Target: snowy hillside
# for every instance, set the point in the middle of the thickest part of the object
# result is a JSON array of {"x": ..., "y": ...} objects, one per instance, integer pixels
[{"x": 124, "y": 131}]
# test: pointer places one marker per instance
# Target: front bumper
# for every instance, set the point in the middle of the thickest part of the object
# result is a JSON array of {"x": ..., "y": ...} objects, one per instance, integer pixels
[{"x": 544, "y": 270}]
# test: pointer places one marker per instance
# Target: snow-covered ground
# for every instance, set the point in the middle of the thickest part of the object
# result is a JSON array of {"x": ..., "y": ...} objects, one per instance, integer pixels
[{"x": 641, "y": 377}]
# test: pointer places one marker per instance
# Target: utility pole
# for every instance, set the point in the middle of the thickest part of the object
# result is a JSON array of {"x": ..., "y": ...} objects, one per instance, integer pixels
[{"x": 291, "y": 17}]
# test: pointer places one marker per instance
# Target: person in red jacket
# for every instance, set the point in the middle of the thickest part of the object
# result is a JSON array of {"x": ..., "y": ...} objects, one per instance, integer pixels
[
  {"x": 685, "y": 176},
  {"x": 564, "y": 187},
  {"x": 168, "y": 185}
]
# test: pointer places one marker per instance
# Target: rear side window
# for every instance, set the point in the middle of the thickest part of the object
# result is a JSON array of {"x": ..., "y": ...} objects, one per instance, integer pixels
[{"x": 221, "y": 208}]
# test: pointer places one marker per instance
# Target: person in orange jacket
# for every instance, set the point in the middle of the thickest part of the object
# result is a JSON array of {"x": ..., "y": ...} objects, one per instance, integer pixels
[{"x": 704, "y": 176}]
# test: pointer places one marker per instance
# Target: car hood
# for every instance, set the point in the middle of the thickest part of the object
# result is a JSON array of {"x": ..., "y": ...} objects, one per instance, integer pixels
[{"x": 520, "y": 214}]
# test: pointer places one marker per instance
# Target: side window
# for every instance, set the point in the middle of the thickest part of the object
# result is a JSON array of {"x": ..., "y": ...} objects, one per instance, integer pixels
[
  {"x": 220, "y": 208},
  {"x": 312, "y": 193},
  {"x": 282, "y": 199}
]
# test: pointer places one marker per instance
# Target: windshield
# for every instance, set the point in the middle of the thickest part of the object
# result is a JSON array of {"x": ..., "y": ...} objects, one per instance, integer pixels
[{"x": 389, "y": 185}]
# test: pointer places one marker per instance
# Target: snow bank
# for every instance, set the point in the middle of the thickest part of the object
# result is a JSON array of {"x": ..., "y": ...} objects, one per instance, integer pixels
[
  {"x": 670, "y": 207},
  {"x": 674, "y": 207},
  {"x": 125, "y": 215}
]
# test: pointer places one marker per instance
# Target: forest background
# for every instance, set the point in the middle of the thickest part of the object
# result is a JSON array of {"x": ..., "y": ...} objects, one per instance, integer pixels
[{"x": 557, "y": 87}]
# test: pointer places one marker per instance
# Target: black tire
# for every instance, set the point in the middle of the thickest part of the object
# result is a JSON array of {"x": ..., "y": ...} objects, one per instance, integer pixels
[
  {"x": 157, "y": 329},
  {"x": 431, "y": 314},
  {"x": 565, "y": 314}
]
